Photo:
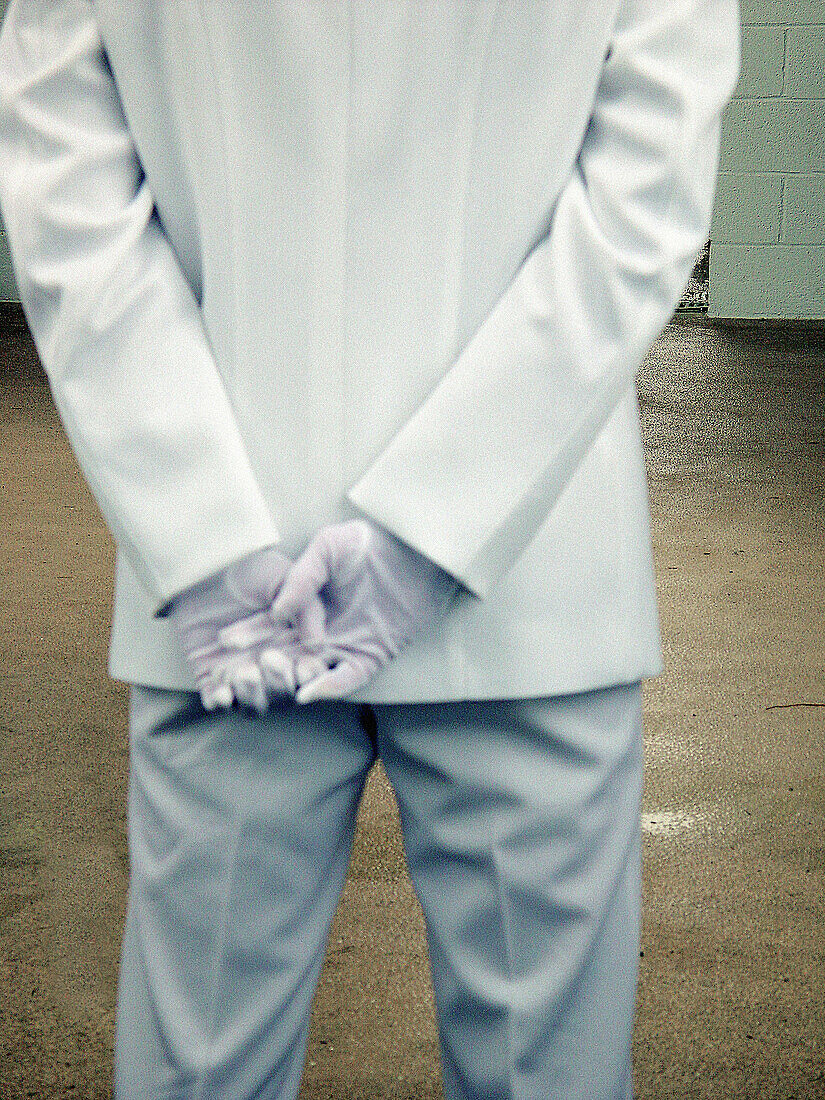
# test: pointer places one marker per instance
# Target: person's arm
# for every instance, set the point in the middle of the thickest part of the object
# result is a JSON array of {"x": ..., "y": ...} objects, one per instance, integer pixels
[
  {"x": 472, "y": 476},
  {"x": 116, "y": 325}
]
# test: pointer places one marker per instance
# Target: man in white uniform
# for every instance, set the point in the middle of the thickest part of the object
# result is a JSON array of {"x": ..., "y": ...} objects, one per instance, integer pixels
[{"x": 341, "y": 305}]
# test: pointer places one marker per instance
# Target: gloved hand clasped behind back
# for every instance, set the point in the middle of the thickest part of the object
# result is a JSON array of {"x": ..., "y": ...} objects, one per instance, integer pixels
[
  {"x": 254, "y": 660},
  {"x": 376, "y": 594}
]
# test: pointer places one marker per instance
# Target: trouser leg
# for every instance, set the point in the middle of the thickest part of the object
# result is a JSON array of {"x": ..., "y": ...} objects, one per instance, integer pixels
[
  {"x": 521, "y": 823},
  {"x": 240, "y": 831}
]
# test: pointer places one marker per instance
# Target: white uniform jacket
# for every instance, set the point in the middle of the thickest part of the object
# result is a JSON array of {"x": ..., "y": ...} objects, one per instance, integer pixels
[{"x": 290, "y": 262}]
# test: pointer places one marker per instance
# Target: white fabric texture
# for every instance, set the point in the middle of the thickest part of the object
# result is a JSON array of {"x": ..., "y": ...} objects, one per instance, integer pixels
[
  {"x": 320, "y": 260},
  {"x": 374, "y": 595},
  {"x": 521, "y": 824}
]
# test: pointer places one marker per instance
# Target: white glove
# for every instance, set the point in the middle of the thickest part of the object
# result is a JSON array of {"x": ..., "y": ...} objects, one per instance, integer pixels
[
  {"x": 253, "y": 662},
  {"x": 376, "y": 593}
]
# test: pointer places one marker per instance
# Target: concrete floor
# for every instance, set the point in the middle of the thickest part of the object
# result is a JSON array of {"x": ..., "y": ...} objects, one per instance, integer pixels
[{"x": 732, "y": 992}]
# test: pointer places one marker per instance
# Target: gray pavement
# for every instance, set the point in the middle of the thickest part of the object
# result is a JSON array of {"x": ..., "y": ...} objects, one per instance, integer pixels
[{"x": 732, "y": 989}]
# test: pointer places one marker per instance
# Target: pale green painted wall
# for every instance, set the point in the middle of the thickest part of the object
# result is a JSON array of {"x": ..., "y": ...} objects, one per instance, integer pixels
[{"x": 767, "y": 253}]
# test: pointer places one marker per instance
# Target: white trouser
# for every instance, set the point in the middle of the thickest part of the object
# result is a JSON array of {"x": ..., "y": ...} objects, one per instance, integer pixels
[{"x": 521, "y": 823}]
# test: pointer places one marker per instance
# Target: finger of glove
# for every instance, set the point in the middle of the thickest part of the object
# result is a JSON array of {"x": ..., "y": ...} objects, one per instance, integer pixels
[
  {"x": 210, "y": 680},
  {"x": 246, "y": 632},
  {"x": 311, "y": 629},
  {"x": 304, "y": 581},
  {"x": 247, "y": 683},
  {"x": 278, "y": 671},
  {"x": 310, "y": 667},
  {"x": 216, "y": 696},
  {"x": 337, "y": 683},
  {"x": 253, "y": 630}
]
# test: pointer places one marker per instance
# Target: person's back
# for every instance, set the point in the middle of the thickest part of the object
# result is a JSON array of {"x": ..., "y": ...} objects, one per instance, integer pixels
[{"x": 295, "y": 266}]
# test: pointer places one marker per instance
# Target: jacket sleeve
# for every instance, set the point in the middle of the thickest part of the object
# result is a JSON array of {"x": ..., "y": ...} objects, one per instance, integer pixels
[
  {"x": 116, "y": 325},
  {"x": 474, "y": 473}
]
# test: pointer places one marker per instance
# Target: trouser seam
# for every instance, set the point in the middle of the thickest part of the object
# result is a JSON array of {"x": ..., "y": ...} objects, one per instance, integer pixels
[
  {"x": 510, "y": 963},
  {"x": 219, "y": 956}
]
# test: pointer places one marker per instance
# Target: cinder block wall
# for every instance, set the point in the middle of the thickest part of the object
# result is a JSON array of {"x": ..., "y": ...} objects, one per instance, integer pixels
[{"x": 767, "y": 253}]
